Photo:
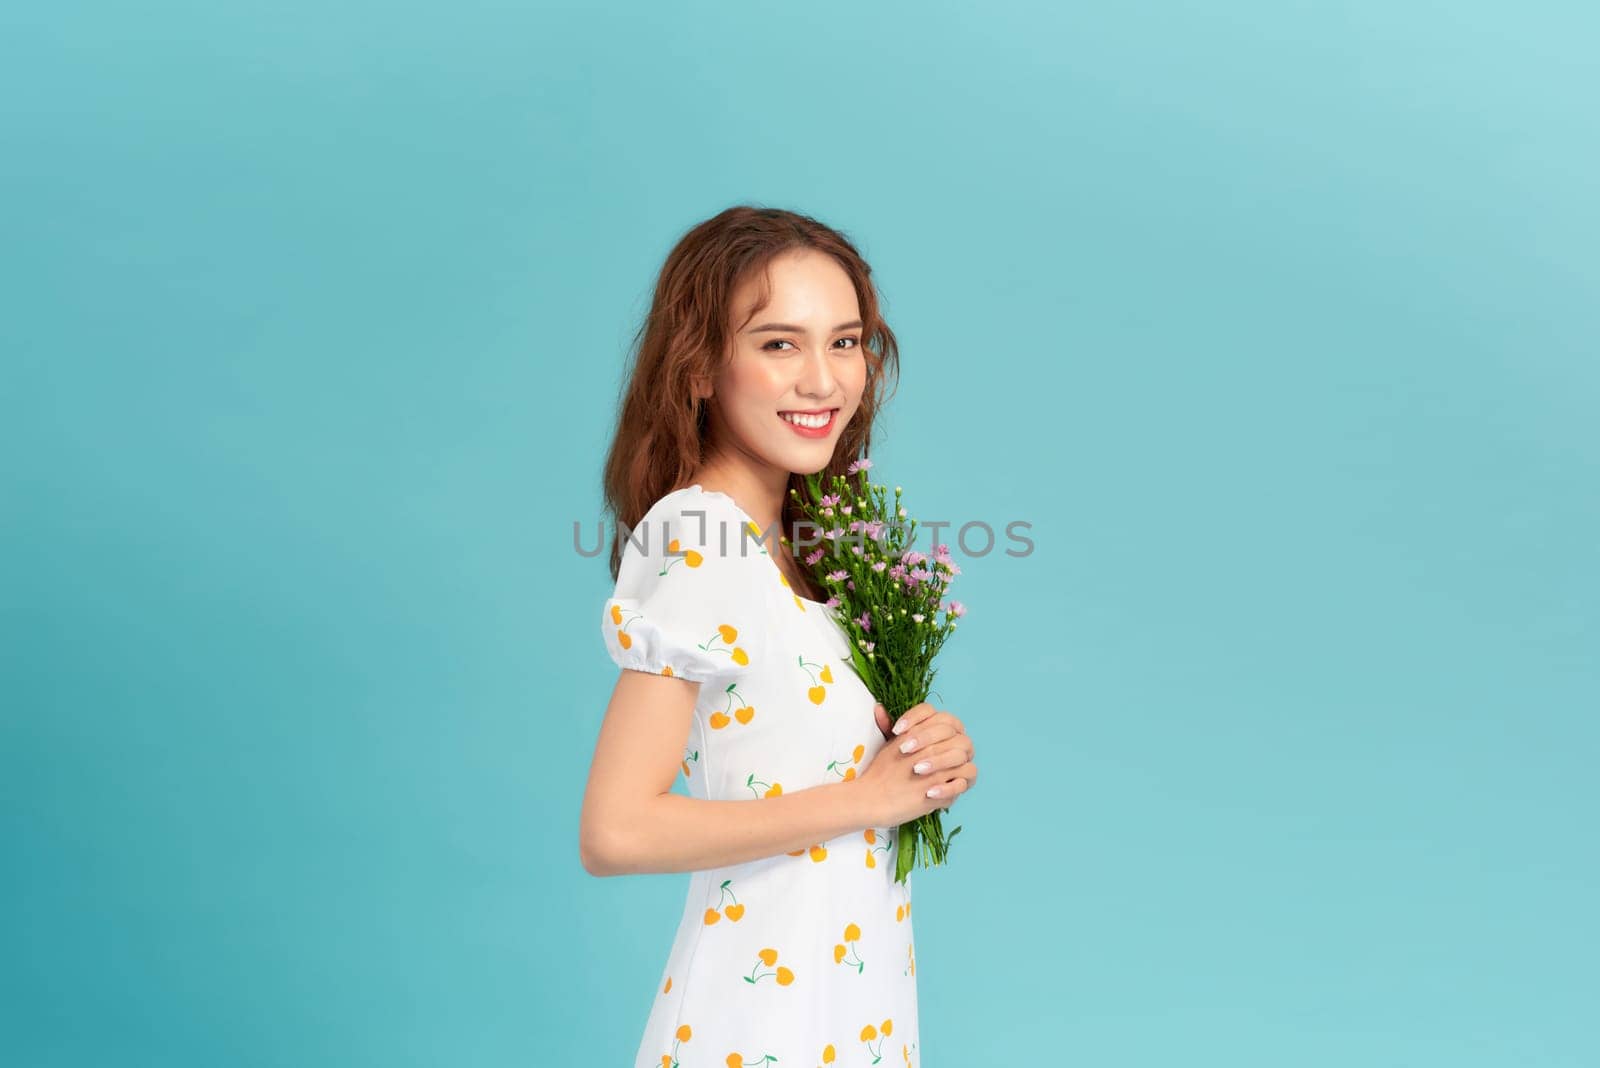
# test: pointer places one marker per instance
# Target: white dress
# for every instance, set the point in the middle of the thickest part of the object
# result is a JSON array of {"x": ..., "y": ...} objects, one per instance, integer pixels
[{"x": 803, "y": 958}]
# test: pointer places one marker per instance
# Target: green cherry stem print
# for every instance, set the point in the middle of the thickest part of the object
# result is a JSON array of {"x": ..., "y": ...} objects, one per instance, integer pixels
[
  {"x": 743, "y": 713},
  {"x": 689, "y": 755},
  {"x": 670, "y": 1060},
  {"x": 773, "y": 788},
  {"x": 736, "y": 1060},
  {"x": 852, "y": 934},
  {"x": 818, "y": 693},
  {"x": 677, "y": 556},
  {"x": 876, "y": 843},
  {"x": 734, "y": 912},
  {"x": 728, "y": 634},
  {"x": 769, "y": 957},
  {"x": 868, "y": 1033},
  {"x": 845, "y": 771}
]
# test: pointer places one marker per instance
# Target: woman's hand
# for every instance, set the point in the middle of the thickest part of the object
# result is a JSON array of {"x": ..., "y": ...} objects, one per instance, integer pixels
[{"x": 894, "y": 791}]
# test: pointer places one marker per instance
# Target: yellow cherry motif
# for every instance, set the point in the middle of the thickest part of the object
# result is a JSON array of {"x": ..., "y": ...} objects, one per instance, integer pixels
[
  {"x": 852, "y": 934},
  {"x": 846, "y": 771},
  {"x": 667, "y": 671},
  {"x": 769, "y": 957},
  {"x": 691, "y": 558},
  {"x": 798, "y": 603},
  {"x": 911, "y": 961},
  {"x": 736, "y": 1060},
  {"x": 827, "y": 1054},
  {"x": 818, "y": 853},
  {"x": 871, "y": 835},
  {"x": 817, "y": 693},
  {"x": 733, "y": 911},
  {"x": 728, "y": 634},
  {"x": 668, "y": 988},
  {"x": 688, "y": 755},
  {"x": 624, "y": 639},
  {"x": 743, "y": 713},
  {"x": 670, "y": 1060},
  {"x": 773, "y": 789},
  {"x": 868, "y": 1033}
]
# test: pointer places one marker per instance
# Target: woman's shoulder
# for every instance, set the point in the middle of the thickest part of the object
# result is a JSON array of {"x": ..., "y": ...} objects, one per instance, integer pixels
[
  {"x": 694, "y": 506},
  {"x": 709, "y": 521}
]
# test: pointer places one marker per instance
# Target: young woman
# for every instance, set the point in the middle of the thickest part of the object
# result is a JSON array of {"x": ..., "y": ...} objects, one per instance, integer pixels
[{"x": 795, "y": 942}]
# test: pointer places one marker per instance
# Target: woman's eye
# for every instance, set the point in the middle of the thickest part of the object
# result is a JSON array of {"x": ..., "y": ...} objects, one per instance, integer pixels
[{"x": 855, "y": 343}]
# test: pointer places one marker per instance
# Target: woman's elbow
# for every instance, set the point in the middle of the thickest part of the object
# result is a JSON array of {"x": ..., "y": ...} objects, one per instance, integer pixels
[{"x": 598, "y": 851}]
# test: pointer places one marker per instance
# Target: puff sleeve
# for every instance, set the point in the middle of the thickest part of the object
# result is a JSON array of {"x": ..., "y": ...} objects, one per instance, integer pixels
[{"x": 688, "y": 601}]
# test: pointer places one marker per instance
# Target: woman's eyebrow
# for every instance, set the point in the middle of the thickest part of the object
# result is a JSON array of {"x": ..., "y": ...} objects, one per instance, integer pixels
[{"x": 786, "y": 328}]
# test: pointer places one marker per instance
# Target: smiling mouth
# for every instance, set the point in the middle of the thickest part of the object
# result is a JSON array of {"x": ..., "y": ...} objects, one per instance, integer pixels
[{"x": 805, "y": 421}]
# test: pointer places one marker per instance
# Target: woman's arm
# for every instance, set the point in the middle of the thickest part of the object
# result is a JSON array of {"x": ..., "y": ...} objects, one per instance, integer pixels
[{"x": 633, "y": 824}]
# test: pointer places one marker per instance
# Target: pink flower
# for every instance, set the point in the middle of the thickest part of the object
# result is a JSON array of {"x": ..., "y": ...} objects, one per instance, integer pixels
[
  {"x": 941, "y": 554},
  {"x": 829, "y": 500},
  {"x": 957, "y": 608},
  {"x": 831, "y": 602},
  {"x": 869, "y": 646},
  {"x": 839, "y": 574},
  {"x": 897, "y": 572},
  {"x": 880, "y": 565},
  {"x": 812, "y": 558},
  {"x": 865, "y": 620},
  {"x": 858, "y": 465},
  {"x": 911, "y": 556}
]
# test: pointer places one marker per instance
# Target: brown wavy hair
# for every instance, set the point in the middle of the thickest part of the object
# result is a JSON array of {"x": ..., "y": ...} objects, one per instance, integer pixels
[{"x": 660, "y": 436}]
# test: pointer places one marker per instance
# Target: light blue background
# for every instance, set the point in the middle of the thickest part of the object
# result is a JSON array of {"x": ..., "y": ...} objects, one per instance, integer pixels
[{"x": 1277, "y": 322}]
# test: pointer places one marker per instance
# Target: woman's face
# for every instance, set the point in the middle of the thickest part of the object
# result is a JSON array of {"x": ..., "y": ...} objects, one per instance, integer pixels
[{"x": 801, "y": 353}]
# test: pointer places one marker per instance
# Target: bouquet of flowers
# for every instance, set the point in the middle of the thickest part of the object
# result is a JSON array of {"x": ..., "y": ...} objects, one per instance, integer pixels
[{"x": 890, "y": 599}]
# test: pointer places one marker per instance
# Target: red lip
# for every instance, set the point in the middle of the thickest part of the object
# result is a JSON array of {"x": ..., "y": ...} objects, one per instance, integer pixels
[{"x": 806, "y": 411}]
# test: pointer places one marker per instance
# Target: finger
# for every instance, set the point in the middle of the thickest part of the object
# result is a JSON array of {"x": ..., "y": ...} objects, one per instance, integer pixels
[
  {"x": 926, "y": 736},
  {"x": 881, "y": 715},
  {"x": 949, "y": 791},
  {"x": 913, "y": 716}
]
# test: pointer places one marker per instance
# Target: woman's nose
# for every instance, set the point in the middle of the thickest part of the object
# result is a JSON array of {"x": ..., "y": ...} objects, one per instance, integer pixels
[{"x": 816, "y": 377}]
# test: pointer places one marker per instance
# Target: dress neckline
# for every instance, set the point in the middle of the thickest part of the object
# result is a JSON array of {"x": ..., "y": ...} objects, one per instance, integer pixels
[{"x": 748, "y": 519}]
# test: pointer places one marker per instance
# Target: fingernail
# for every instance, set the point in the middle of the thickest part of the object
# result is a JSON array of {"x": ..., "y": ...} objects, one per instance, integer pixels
[
  {"x": 921, "y": 766},
  {"x": 908, "y": 745},
  {"x": 934, "y": 792},
  {"x": 899, "y": 725}
]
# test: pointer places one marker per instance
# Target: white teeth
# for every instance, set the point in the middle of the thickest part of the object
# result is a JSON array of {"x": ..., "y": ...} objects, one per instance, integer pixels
[{"x": 812, "y": 421}]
